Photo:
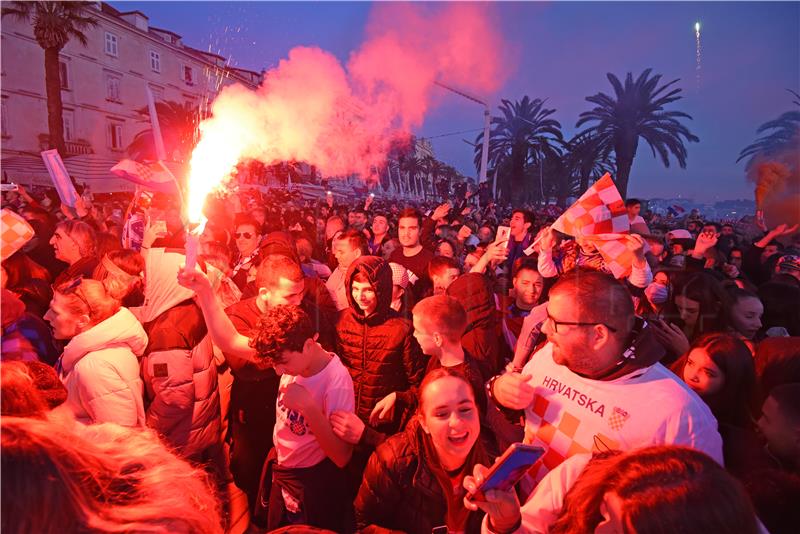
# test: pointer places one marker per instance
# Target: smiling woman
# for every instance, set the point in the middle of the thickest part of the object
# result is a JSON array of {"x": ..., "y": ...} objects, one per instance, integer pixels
[{"x": 413, "y": 481}]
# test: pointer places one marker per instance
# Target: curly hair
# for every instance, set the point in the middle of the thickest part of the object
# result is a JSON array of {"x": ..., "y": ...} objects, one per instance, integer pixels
[{"x": 281, "y": 329}]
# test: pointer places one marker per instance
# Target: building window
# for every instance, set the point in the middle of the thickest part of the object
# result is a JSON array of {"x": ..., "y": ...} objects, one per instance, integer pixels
[
  {"x": 112, "y": 87},
  {"x": 112, "y": 44},
  {"x": 4, "y": 118},
  {"x": 187, "y": 73},
  {"x": 69, "y": 128},
  {"x": 63, "y": 73},
  {"x": 115, "y": 135},
  {"x": 155, "y": 61}
]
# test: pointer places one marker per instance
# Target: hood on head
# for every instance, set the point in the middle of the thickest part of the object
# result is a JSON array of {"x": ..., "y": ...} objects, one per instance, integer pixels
[
  {"x": 12, "y": 308},
  {"x": 121, "y": 329},
  {"x": 473, "y": 291},
  {"x": 161, "y": 288},
  {"x": 279, "y": 243},
  {"x": 380, "y": 277}
]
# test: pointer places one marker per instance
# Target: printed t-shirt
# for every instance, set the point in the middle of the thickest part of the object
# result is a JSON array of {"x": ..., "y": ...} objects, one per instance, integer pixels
[
  {"x": 332, "y": 390},
  {"x": 571, "y": 414}
]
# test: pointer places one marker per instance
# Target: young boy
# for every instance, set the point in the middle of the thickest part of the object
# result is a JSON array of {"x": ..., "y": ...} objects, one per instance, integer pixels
[
  {"x": 439, "y": 323},
  {"x": 307, "y": 481}
]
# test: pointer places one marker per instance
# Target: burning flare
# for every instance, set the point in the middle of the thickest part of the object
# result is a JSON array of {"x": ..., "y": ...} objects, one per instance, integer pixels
[{"x": 344, "y": 121}]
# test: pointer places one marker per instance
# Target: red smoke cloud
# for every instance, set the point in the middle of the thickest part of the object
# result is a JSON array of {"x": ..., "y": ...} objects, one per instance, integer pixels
[{"x": 343, "y": 120}]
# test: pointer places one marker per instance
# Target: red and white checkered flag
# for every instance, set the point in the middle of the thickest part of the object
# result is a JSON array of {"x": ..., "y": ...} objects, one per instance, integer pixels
[
  {"x": 14, "y": 233},
  {"x": 599, "y": 215}
]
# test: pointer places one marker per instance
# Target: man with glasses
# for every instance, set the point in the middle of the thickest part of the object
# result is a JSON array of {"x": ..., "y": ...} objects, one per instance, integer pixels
[
  {"x": 597, "y": 384},
  {"x": 247, "y": 238}
]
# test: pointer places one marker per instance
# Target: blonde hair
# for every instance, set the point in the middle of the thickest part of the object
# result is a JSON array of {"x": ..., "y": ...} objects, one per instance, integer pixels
[
  {"x": 99, "y": 478},
  {"x": 89, "y": 297},
  {"x": 121, "y": 272}
]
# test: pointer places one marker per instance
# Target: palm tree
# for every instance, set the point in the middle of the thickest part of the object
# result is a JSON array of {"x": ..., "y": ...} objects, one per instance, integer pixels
[
  {"x": 433, "y": 169},
  {"x": 178, "y": 124},
  {"x": 54, "y": 25},
  {"x": 784, "y": 135},
  {"x": 588, "y": 159},
  {"x": 412, "y": 166},
  {"x": 522, "y": 135},
  {"x": 637, "y": 110}
]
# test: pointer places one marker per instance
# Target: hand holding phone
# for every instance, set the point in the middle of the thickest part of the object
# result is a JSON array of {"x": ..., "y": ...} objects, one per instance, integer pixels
[
  {"x": 503, "y": 234},
  {"x": 507, "y": 470}
]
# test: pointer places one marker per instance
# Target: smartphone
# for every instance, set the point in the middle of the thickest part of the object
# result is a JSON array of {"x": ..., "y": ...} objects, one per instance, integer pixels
[
  {"x": 9, "y": 187},
  {"x": 508, "y": 469},
  {"x": 372, "y": 195},
  {"x": 503, "y": 234}
]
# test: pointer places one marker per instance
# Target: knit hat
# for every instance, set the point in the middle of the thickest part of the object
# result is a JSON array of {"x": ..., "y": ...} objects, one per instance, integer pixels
[
  {"x": 399, "y": 275},
  {"x": 789, "y": 262},
  {"x": 46, "y": 381},
  {"x": 656, "y": 293}
]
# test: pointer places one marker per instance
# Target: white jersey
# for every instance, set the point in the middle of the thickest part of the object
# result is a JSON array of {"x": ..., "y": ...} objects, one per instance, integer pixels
[
  {"x": 571, "y": 414},
  {"x": 332, "y": 390}
]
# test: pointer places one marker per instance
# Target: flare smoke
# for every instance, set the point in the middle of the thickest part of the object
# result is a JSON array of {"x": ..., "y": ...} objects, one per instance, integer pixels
[
  {"x": 777, "y": 185},
  {"x": 345, "y": 119}
]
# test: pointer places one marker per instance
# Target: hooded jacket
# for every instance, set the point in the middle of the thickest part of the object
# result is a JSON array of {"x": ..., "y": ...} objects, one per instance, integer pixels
[
  {"x": 178, "y": 367},
  {"x": 100, "y": 370},
  {"x": 400, "y": 490},
  {"x": 480, "y": 338},
  {"x": 379, "y": 350}
]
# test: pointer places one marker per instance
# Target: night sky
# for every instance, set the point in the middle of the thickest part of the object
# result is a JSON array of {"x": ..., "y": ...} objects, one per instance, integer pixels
[{"x": 562, "y": 52}]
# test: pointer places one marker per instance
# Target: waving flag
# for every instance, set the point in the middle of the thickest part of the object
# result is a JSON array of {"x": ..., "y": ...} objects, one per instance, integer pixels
[
  {"x": 599, "y": 216},
  {"x": 154, "y": 176},
  {"x": 14, "y": 233}
]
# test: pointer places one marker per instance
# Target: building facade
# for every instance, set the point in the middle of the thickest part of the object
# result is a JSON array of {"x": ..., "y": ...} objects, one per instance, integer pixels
[{"x": 104, "y": 83}]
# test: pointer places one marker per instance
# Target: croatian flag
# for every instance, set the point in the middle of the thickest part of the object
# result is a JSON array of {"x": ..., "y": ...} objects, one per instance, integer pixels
[
  {"x": 154, "y": 176},
  {"x": 600, "y": 217}
]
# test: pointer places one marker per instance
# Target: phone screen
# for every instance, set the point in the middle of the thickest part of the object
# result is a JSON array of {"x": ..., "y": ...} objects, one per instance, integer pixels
[
  {"x": 503, "y": 234},
  {"x": 508, "y": 469}
]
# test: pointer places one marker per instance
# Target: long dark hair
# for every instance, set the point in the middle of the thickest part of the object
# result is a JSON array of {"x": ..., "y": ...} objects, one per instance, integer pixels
[
  {"x": 708, "y": 292},
  {"x": 731, "y": 355}
]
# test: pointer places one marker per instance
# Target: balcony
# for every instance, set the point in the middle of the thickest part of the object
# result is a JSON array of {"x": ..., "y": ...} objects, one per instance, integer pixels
[{"x": 78, "y": 147}]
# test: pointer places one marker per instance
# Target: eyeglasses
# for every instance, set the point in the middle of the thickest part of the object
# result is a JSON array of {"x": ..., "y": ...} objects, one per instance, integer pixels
[
  {"x": 246, "y": 235},
  {"x": 570, "y": 323},
  {"x": 73, "y": 289}
]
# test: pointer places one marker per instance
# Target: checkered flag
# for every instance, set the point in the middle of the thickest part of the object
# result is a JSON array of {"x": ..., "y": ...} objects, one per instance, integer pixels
[
  {"x": 599, "y": 215},
  {"x": 15, "y": 232},
  {"x": 154, "y": 176}
]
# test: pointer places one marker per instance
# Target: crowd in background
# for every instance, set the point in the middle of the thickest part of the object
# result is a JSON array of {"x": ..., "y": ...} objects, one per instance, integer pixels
[{"x": 359, "y": 364}]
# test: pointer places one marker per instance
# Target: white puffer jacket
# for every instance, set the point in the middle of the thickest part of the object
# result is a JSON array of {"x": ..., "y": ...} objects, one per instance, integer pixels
[{"x": 100, "y": 369}]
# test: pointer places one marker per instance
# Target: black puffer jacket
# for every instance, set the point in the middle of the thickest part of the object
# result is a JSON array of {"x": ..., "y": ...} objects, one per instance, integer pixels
[
  {"x": 379, "y": 350},
  {"x": 480, "y": 338},
  {"x": 400, "y": 491}
]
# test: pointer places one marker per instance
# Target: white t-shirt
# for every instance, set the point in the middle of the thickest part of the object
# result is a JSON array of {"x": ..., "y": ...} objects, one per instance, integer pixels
[
  {"x": 651, "y": 406},
  {"x": 332, "y": 390}
]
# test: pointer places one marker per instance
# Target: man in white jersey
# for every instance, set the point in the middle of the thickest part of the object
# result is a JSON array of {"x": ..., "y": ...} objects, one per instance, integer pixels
[{"x": 597, "y": 384}]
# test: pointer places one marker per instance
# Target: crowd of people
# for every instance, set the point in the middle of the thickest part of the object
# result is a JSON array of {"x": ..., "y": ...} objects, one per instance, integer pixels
[{"x": 357, "y": 366}]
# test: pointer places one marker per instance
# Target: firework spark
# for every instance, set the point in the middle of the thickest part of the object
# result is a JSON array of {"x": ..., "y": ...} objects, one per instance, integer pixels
[{"x": 698, "y": 57}]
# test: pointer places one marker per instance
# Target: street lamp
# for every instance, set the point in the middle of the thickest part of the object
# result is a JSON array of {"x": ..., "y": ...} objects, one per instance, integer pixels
[{"x": 486, "y": 122}]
